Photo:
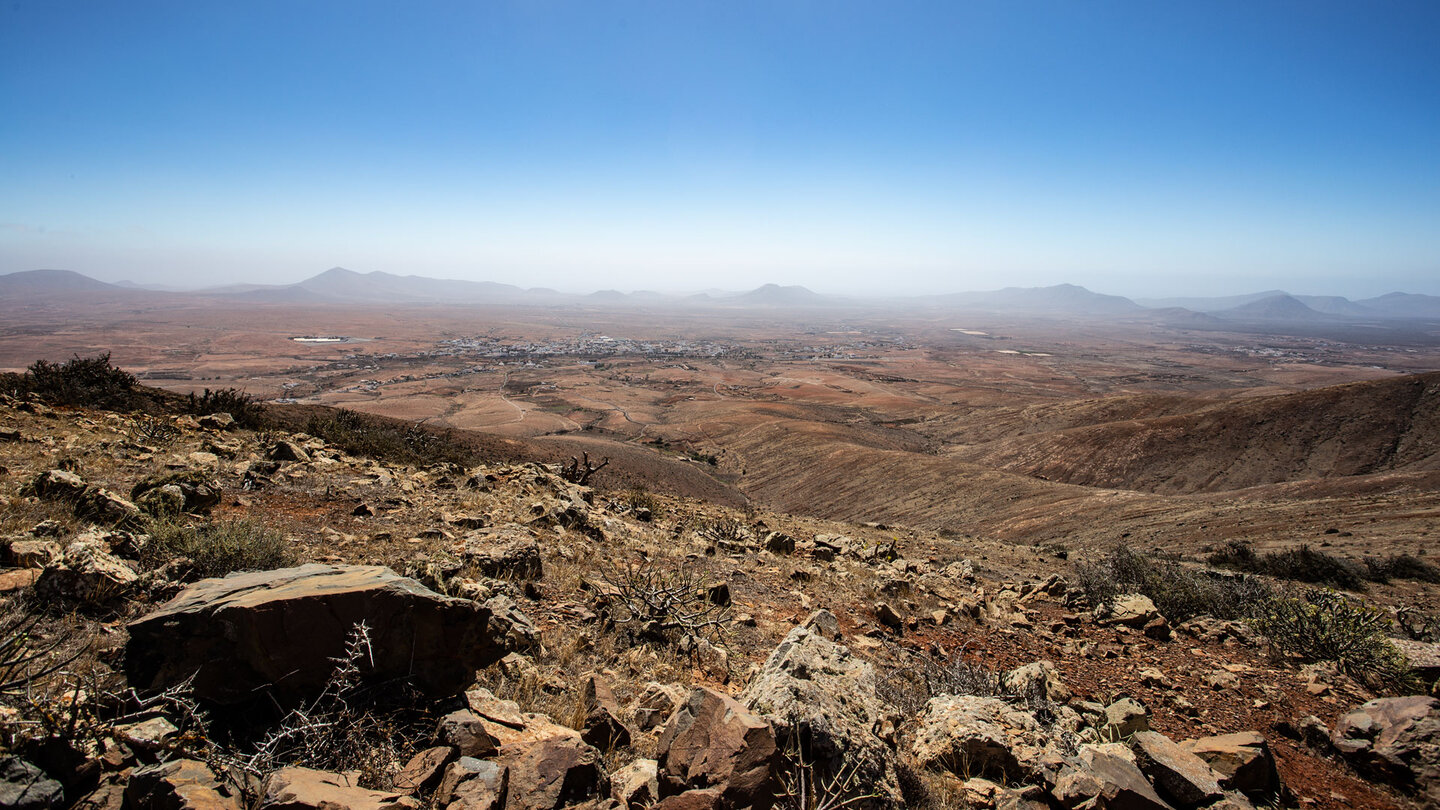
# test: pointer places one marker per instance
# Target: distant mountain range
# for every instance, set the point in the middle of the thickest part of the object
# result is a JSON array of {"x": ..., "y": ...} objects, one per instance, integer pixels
[{"x": 341, "y": 286}]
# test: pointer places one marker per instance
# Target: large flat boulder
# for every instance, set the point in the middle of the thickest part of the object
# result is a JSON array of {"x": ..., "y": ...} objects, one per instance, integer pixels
[{"x": 280, "y": 631}]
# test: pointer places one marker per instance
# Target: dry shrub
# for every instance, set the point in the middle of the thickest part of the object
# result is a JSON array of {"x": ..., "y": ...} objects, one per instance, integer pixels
[{"x": 220, "y": 547}]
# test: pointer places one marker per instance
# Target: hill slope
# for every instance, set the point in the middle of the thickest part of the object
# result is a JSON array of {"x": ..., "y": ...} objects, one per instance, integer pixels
[{"x": 1357, "y": 429}]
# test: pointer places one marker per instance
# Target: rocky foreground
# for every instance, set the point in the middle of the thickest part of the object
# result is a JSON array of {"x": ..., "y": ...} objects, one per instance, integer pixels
[{"x": 199, "y": 616}]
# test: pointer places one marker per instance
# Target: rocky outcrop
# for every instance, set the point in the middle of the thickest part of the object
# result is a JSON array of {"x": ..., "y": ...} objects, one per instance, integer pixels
[
  {"x": 473, "y": 784},
  {"x": 507, "y": 553},
  {"x": 1395, "y": 740},
  {"x": 821, "y": 701},
  {"x": 984, "y": 736},
  {"x": 87, "y": 576},
  {"x": 279, "y": 631},
  {"x": 178, "y": 492},
  {"x": 712, "y": 741},
  {"x": 1106, "y": 776}
]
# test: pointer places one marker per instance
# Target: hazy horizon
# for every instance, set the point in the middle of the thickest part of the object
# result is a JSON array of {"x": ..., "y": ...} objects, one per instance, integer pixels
[{"x": 852, "y": 148}]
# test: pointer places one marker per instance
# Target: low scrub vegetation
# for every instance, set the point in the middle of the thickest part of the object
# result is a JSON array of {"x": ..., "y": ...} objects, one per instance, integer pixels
[
  {"x": 219, "y": 548},
  {"x": 1313, "y": 624},
  {"x": 1300, "y": 564},
  {"x": 1179, "y": 592},
  {"x": 80, "y": 381},
  {"x": 1318, "y": 624},
  {"x": 242, "y": 407},
  {"x": 372, "y": 437},
  {"x": 1305, "y": 564}
]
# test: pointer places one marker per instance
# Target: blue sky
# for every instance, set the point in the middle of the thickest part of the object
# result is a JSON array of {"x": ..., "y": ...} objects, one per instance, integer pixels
[{"x": 1139, "y": 148}]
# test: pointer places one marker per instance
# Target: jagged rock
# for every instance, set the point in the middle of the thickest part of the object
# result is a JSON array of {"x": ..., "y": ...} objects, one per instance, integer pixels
[
  {"x": 984, "y": 736},
  {"x": 552, "y": 772},
  {"x": 1423, "y": 656},
  {"x": 1102, "y": 777},
  {"x": 25, "y": 787},
  {"x": 278, "y": 631},
  {"x": 656, "y": 703},
  {"x": 779, "y": 543},
  {"x": 824, "y": 623},
  {"x": 1396, "y": 740},
  {"x": 636, "y": 785},
  {"x": 86, "y": 576},
  {"x": 216, "y": 421},
  {"x": 465, "y": 731},
  {"x": 180, "y": 784},
  {"x": 1243, "y": 761},
  {"x": 197, "y": 492},
  {"x": 110, "y": 795},
  {"x": 602, "y": 727},
  {"x": 714, "y": 741},
  {"x": 1125, "y": 717},
  {"x": 1131, "y": 610},
  {"x": 509, "y": 553},
  {"x": 820, "y": 698},
  {"x": 424, "y": 770},
  {"x": 33, "y": 553},
  {"x": 511, "y": 629},
  {"x": 47, "y": 528},
  {"x": 307, "y": 789},
  {"x": 1039, "y": 679},
  {"x": 887, "y": 616},
  {"x": 55, "y": 485},
  {"x": 286, "y": 451},
  {"x": 1176, "y": 773},
  {"x": 504, "y": 712},
  {"x": 473, "y": 784},
  {"x": 104, "y": 508}
]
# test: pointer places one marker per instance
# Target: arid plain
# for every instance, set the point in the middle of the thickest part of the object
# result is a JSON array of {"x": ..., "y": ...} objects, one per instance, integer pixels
[{"x": 1036, "y": 431}]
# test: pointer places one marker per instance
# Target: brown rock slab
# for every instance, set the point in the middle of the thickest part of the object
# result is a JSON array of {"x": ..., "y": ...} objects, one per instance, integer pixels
[
  {"x": 1243, "y": 761},
  {"x": 714, "y": 741},
  {"x": 180, "y": 784},
  {"x": 423, "y": 771},
  {"x": 279, "y": 631},
  {"x": 707, "y": 799},
  {"x": 307, "y": 789},
  {"x": 473, "y": 784},
  {"x": 465, "y": 731},
  {"x": 552, "y": 772},
  {"x": 1177, "y": 774},
  {"x": 603, "y": 728}
]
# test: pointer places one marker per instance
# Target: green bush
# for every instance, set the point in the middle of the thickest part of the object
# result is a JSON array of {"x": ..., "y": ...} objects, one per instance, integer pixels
[
  {"x": 1319, "y": 624},
  {"x": 219, "y": 548},
  {"x": 87, "y": 381},
  {"x": 241, "y": 406},
  {"x": 1179, "y": 592}
]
